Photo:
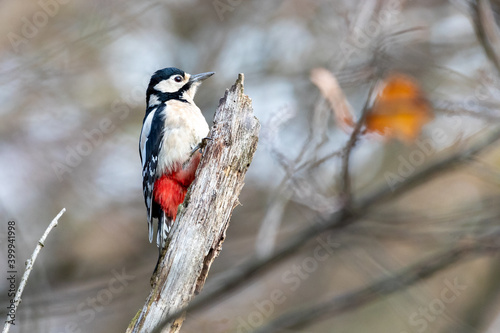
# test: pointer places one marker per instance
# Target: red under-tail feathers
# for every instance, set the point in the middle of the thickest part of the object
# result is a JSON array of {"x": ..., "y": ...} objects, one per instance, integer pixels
[{"x": 170, "y": 189}]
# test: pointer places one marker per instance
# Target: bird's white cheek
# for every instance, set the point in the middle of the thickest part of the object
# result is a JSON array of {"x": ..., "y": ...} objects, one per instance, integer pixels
[{"x": 166, "y": 86}]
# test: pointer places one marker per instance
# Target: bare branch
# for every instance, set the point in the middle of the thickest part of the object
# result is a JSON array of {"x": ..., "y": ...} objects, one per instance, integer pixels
[
  {"x": 345, "y": 192},
  {"x": 486, "y": 30},
  {"x": 200, "y": 228},
  {"x": 29, "y": 267},
  {"x": 434, "y": 169},
  {"x": 316, "y": 163},
  {"x": 406, "y": 278}
]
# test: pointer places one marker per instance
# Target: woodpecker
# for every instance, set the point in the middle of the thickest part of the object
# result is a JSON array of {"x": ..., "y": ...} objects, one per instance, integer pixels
[{"x": 172, "y": 132}]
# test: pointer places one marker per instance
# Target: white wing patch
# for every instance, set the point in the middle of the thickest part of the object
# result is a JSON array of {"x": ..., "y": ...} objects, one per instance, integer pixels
[{"x": 146, "y": 128}]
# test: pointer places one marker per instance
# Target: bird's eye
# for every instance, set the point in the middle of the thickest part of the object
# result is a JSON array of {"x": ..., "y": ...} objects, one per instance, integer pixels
[{"x": 178, "y": 78}]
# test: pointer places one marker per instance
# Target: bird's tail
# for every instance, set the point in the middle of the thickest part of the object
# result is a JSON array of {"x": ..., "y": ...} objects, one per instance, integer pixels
[{"x": 164, "y": 225}]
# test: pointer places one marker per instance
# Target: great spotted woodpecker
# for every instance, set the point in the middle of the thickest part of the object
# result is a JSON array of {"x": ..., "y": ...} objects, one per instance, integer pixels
[{"x": 172, "y": 131}]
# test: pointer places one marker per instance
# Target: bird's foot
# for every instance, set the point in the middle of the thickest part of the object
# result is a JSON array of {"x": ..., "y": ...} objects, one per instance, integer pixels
[{"x": 200, "y": 146}]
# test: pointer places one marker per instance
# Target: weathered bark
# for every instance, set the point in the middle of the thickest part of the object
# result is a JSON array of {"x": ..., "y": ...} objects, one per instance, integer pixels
[{"x": 200, "y": 228}]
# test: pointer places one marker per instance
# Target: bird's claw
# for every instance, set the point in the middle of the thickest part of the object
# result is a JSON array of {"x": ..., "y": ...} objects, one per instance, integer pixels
[{"x": 200, "y": 146}]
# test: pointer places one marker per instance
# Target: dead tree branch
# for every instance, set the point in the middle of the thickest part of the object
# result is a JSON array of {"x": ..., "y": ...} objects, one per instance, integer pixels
[
  {"x": 200, "y": 228},
  {"x": 346, "y": 191},
  {"x": 29, "y": 267}
]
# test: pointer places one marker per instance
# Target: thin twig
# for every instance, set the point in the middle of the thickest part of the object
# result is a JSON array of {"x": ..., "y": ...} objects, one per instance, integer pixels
[
  {"x": 316, "y": 163},
  {"x": 269, "y": 227},
  {"x": 338, "y": 220},
  {"x": 434, "y": 169},
  {"x": 483, "y": 114},
  {"x": 406, "y": 278},
  {"x": 487, "y": 30},
  {"x": 29, "y": 267},
  {"x": 268, "y": 231},
  {"x": 346, "y": 192}
]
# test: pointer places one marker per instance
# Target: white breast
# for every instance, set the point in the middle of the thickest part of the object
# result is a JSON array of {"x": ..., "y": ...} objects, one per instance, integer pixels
[{"x": 184, "y": 128}]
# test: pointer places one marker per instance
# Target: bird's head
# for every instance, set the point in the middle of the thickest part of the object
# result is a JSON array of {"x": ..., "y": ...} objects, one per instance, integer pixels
[{"x": 173, "y": 83}]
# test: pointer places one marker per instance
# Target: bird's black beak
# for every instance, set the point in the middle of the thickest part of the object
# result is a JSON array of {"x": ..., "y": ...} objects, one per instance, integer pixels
[{"x": 200, "y": 77}]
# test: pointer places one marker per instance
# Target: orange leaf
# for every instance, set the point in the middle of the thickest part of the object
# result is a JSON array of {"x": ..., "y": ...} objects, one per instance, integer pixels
[{"x": 400, "y": 108}]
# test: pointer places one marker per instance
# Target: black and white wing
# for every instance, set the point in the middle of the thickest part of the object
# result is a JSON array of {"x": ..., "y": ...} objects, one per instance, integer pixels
[{"x": 149, "y": 149}]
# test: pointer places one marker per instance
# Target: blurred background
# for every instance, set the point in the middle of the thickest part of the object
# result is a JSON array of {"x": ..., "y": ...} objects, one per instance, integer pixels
[{"x": 73, "y": 76}]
